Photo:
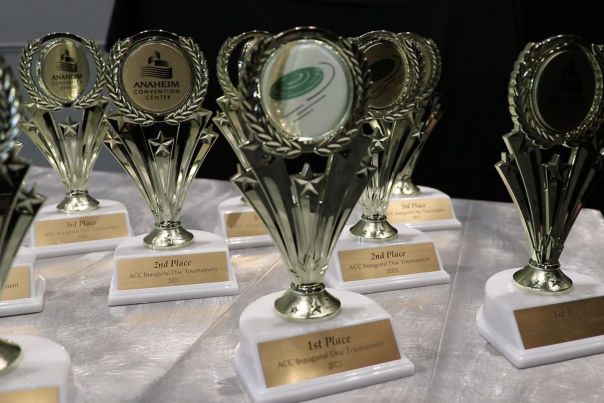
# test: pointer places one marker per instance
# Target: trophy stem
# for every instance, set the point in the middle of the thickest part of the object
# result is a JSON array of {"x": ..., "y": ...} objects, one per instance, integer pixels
[
  {"x": 307, "y": 303},
  {"x": 406, "y": 187},
  {"x": 10, "y": 356},
  {"x": 168, "y": 235},
  {"x": 77, "y": 201},
  {"x": 373, "y": 228},
  {"x": 543, "y": 279}
]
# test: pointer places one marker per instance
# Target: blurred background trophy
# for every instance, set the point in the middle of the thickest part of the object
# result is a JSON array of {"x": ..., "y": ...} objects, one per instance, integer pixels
[
  {"x": 65, "y": 74},
  {"x": 157, "y": 82},
  {"x": 238, "y": 222},
  {"x": 306, "y": 91},
  {"x": 422, "y": 207},
  {"x": 32, "y": 369},
  {"x": 374, "y": 255},
  {"x": 537, "y": 315}
]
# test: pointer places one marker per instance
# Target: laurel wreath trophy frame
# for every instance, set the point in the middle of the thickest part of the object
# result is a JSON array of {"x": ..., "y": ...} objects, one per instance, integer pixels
[
  {"x": 428, "y": 209},
  {"x": 553, "y": 162},
  {"x": 25, "y": 361},
  {"x": 374, "y": 255},
  {"x": 238, "y": 223},
  {"x": 157, "y": 82},
  {"x": 306, "y": 91},
  {"x": 55, "y": 71}
]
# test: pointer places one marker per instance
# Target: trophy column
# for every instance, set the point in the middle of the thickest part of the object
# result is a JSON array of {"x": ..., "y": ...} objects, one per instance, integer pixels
[
  {"x": 306, "y": 91},
  {"x": 537, "y": 315},
  {"x": 157, "y": 81},
  {"x": 374, "y": 255},
  {"x": 69, "y": 76},
  {"x": 31, "y": 368}
]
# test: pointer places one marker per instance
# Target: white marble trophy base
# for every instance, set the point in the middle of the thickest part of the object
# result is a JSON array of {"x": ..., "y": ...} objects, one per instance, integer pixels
[
  {"x": 134, "y": 248},
  {"x": 497, "y": 324},
  {"x": 35, "y": 302},
  {"x": 45, "y": 366},
  {"x": 406, "y": 236},
  {"x": 432, "y": 225},
  {"x": 234, "y": 205},
  {"x": 49, "y": 213},
  {"x": 259, "y": 323}
]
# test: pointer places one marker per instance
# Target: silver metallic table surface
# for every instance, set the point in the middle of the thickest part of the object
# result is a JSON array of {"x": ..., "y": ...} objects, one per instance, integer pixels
[{"x": 182, "y": 351}]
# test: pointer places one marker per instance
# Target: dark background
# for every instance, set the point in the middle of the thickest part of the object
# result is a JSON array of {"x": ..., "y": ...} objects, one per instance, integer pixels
[{"x": 479, "y": 42}]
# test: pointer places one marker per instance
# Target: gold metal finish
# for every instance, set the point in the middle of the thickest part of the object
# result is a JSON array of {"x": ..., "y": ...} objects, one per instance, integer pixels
[
  {"x": 305, "y": 302},
  {"x": 549, "y": 194},
  {"x": 374, "y": 228}
]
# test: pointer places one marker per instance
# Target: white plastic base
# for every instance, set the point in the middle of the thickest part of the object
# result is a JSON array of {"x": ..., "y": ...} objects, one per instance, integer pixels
[
  {"x": 51, "y": 213},
  {"x": 259, "y": 323},
  {"x": 497, "y": 324},
  {"x": 406, "y": 236},
  {"x": 435, "y": 225},
  {"x": 45, "y": 364},
  {"x": 35, "y": 302},
  {"x": 234, "y": 205},
  {"x": 134, "y": 248}
]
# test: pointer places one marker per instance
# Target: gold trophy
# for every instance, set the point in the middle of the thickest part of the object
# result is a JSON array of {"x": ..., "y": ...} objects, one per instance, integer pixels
[
  {"x": 306, "y": 91},
  {"x": 66, "y": 73},
  {"x": 374, "y": 255},
  {"x": 26, "y": 362},
  {"x": 537, "y": 315},
  {"x": 157, "y": 82}
]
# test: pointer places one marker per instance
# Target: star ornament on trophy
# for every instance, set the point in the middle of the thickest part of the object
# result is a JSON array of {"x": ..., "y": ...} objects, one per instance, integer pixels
[
  {"x": 306, "y": 91},
  {"x": 66, "y": 73},
  {"x": 374, "y": 255},
  {"x": 157, "y": 82},
  {"x": 553, "y": 162},
  {"x": 238, "y": 222}
]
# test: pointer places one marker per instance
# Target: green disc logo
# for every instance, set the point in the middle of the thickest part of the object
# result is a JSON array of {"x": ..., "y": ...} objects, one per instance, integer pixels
[
  {"x": 296, "y": 83},
  {"x": 381, "y": 69}
]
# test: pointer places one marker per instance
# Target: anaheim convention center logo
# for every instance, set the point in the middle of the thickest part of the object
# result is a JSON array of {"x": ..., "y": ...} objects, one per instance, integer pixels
[
  {"x": 67, "y": 63},
  {"x": 157, "y": 68}
]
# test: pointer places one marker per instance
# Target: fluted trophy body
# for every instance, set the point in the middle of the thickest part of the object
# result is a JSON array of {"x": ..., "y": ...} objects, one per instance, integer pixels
[{"x": 283, "y": 118}]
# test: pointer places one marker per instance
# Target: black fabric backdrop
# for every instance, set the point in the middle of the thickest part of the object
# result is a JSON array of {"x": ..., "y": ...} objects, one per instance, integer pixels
[{"x": 479, "y": 42}]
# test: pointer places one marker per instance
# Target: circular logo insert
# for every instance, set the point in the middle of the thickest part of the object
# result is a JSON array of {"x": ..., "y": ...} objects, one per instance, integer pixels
[
  {"x": 387, "y": 73},
  {"x": 156, "y": 77},
  {"x": 305, "y": 88},
  {"x": 64, "y": 71},
  {"x": 564, "y": 90}
]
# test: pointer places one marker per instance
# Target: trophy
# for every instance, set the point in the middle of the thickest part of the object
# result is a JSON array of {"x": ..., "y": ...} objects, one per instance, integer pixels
[
  {"x": 374, "y": 255},
  {"x": 31, "y": 368},
  {"x": 537, "y": 315},
  {"x": 238, "y": 222},
  {"x": 65, "y": 74},
  {"x": 424, "y": 208},
  {"x": 157, "y": 82},
  {"x": 305, "y": 91}
]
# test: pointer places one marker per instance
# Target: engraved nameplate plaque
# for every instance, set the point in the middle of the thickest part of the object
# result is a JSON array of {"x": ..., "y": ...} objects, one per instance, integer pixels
[
  {"x": 244, "y": 224},
  {"x": 80, "y": 229},
  {"x": 401, "y": 211},
  {"x": 17, "y": 284},
  {"x": 40, "y": 395}
]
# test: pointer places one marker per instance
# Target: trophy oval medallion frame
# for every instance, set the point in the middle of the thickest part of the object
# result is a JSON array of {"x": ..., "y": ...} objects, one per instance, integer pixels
[
  {"x": 41, "y": 89},
  {"x": 181, "y": 48},
  {"x": 527, "y": 81},
  {"x": 411, "y": 61},
  {"x": 272, "y": 131},
  {"x": 432, "y": 60},
  {"x": 9, "y": 122}
]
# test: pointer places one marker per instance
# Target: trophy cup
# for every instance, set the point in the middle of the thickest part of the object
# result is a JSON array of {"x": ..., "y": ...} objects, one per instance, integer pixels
[
  {"x": 374, "y": 255},
  {"x": 424, "y": 208},
  {"x": 238, "y": 222},
  {"x": 538, "y": 315},
  {"x": 31, "y": 368},
  {"x": 157, "y": 82},
  {"x": 305, "y": 91},
  {"x": 61, "y": 79}
]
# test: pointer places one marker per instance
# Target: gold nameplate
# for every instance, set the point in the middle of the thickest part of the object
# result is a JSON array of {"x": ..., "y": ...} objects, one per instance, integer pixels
[
  {"x": 168, "y": 271},
  {"x": 17, "y": 284},
  {"x": 72, "y": 230},
  {"x": 400, "y": 211},
  {"x": 40, "y": 395},
  {"x": 314, "y": 355},
  {"x": 389, "y": 261},
  {"x": 559, "y": 323},
  {"x": 240, "y": 225}
]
